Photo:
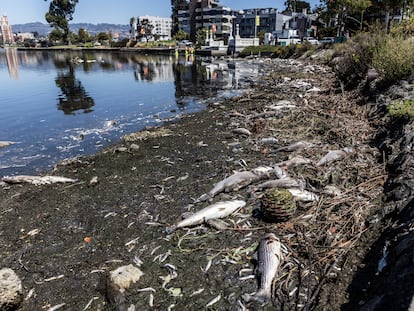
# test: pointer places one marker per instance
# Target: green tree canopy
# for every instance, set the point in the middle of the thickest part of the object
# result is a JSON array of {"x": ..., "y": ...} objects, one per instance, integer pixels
[
  {"x": 201, "y": 37},
  {"x": 181, "y": 35},
  {"x": 103, "y": 36},
  {"x": 144, "y": 29},
  {"x": 84, "y": 35},
  {"x": 56, "y": 35},
  {"x": 297, "y": 6},
  {"x": 59, "y": 15}
]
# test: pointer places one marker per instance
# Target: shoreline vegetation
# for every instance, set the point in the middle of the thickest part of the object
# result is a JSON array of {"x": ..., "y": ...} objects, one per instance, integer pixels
[{"x": 300, "y": 124}]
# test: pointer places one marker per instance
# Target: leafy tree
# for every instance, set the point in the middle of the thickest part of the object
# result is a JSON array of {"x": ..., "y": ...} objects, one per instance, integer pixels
[
  {"x": 144, "y": 29},
  {"x": 56, "y": 35},
  {"x": 357, "y": 7},
  {"x": 297, "y": 5},
  {"x": 103, "y": 36},
  {"x": 181, "y": 35},
  {"x": 83, "y": 35},
  {"x": 59, "y": 15},
  {"x": 261, "y": 36},
  {"x": 201, "y": 36}
]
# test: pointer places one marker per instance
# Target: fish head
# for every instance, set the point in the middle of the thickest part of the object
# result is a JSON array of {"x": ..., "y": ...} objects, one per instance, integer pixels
[
  {"x": 348, "y": 149},
  {"x": 270, "y": 237}
]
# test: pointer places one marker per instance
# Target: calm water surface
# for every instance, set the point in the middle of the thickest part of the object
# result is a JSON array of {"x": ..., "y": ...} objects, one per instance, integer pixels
[{"x": 55, "y": 108}]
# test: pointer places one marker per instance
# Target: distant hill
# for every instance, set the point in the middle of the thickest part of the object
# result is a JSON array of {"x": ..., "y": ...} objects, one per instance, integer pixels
[{"x": 93, "y": 29}]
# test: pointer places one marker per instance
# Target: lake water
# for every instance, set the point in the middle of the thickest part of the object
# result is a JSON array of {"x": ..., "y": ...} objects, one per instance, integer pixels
[{"x": 56, "y": 107}]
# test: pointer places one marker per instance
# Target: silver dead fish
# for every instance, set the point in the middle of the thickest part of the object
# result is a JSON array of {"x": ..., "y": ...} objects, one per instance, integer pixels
[
  {"x": 242, "y": 131},
  {"x": 334, "y": 155},
  {"x": 269, "y": 257},
  {"x": 299, "y": 145},
  {"x": 239, "y": 180},
  {"x": 303, "y": 195},
  {"x": 37, "y": 180},
  {"x": 295, "y": 161},
  {"x": 214, "y": 211}
]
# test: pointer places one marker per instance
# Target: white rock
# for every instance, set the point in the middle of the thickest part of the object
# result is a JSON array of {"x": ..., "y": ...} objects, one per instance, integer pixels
[
  {"x": 11, "y": 290},
  {"x": 123, "y": 277}
]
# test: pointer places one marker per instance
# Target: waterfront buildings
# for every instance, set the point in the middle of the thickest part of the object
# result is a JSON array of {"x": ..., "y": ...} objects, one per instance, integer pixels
[
  {"x": 6, "y": 30},
  {"x": 221, "y": 21}
]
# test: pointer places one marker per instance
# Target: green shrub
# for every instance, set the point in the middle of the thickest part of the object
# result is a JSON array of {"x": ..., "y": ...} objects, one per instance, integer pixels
[
  {"x": 353, "y": 59},
  {"x": 292, "y": 50},
  {"x": 394, "y": 58},
  {"x": 405, "y": 28},
  {"x": 264, "y": 50},
  {"x": 403, "y": 108}
]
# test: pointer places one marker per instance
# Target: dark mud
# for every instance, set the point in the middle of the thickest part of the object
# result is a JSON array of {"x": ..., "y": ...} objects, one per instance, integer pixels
[{"x": 62, "y": 240}]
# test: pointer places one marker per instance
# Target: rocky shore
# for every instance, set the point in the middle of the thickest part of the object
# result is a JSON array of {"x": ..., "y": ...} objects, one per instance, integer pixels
[{"x": 100, "y": 242}]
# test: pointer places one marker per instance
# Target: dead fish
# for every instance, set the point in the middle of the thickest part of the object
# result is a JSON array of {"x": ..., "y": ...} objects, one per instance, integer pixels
[
  {"x": 314, "y": 90},
  {"x": 214, "y": 211},
  {"x": 295, "y": 161},
  {"x": 282, "y": 104},
  {"x": 37, "y": 180},
  {"x": 334, "y": 155},
  {"x": 269, "y": 140},
  {"x": 6, "y": 143},
  {"x": 242, "y": 131},
  {"x": 287, "y": 182},
  {"x": 279, "y": 172},
  {"x": 269, "y": 256},
  {"x": 299, "y": 145},
  {"x": 241, "y": 179},
  {"x": 303, "y": 195}
]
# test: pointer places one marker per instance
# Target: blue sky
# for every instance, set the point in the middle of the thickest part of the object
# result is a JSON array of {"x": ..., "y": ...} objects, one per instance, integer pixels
[{"x": 114, "y": 12}]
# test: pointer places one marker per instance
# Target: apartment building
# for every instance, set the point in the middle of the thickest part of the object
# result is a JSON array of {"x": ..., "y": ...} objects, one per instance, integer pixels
[
  {"x": 252, "y": 21},
  {"x": 208, "y": 14},
  {"x": 162, "y": 26},
  {"x": 6, "y": 30}
]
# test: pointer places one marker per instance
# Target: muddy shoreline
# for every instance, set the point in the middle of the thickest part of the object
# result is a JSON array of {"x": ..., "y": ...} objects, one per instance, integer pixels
[{"x": 63, "y": 239}]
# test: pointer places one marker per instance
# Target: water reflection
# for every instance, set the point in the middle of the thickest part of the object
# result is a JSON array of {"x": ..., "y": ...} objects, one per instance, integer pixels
[
  {"x": 73, "y": 96},
  {"x": 128, "y": 88},
  {"x": 192, "y": 76},
  {"x": 12, "y": 63}
]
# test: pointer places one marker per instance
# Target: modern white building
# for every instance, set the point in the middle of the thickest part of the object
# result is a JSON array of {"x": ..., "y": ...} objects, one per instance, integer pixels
[
  {"x": 6, "y": 30},
  {"x": 162, "y": 26}
]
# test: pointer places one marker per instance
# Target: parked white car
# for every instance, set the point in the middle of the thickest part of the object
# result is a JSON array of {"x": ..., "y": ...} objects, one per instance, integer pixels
[
  {"x": 311, "y": 40},
  {"x": 288, "y": 41}
]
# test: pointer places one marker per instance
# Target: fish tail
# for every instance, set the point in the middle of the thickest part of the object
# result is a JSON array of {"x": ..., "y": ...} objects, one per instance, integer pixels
[{"x": 262, "y": 296}]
